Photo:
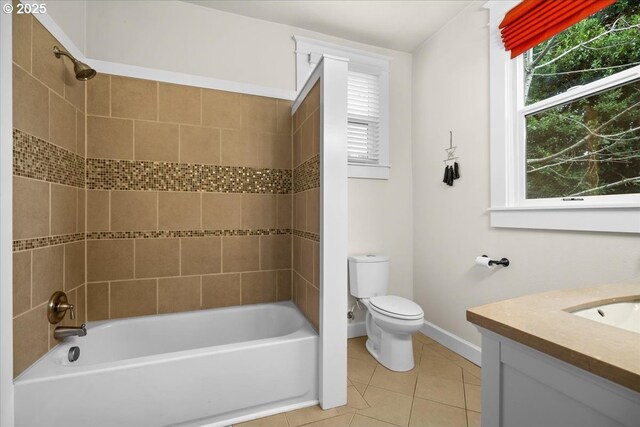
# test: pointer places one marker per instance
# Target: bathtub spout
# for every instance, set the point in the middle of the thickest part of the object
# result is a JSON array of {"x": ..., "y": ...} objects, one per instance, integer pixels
[{"x": 69, "y": 331}]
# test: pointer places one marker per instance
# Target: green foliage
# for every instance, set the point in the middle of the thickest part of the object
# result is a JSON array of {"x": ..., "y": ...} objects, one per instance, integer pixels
[{"x": 590, "y": 146}]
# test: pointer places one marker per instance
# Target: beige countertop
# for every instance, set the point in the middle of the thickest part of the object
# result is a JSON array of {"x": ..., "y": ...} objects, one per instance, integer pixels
[{"x": 545, "y": 323}]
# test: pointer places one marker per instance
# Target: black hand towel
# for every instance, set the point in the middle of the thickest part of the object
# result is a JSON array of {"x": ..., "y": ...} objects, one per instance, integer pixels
[
  {"x": 456, "y": 171},
  {"x": 446, "y": 174}
]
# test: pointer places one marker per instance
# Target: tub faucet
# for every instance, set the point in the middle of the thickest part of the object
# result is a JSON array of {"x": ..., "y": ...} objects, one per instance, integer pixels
[{"x": 69, "y": 331}]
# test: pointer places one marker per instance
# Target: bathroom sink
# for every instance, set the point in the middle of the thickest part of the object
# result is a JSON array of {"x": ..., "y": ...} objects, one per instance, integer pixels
[{"x": 623, "y": 315}]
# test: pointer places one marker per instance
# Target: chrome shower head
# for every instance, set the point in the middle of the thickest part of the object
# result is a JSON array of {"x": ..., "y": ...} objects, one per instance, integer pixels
[{"x": 83, "y": 71}]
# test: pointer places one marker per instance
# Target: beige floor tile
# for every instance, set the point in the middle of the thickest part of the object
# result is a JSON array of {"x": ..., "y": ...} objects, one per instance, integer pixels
[
  {"x": 427, "y": 350},
  {"x": 472, "y": 368},
  {"x": 417, "y": 351},
  {"x": 361, "y": 387},
  {"x": 279, "y": 420},
  {"x": 309, "y": 415},
  {"x": 362, "y": 421},
  {"x": 432, "y": 414},
  {"x": 388, "y": 406},
  {"x": 451, "y": 355},
  {"x": 470, "y": 379},
  {"x": 423, "y": 338},
  {"x": 441, "y": 368},
  {"x": 441, "y": 390},
  {"x": 359, "y": 370},
  {"x": 472, "y": 397},
  {"x": 355, "y": 399},
  {"x": 356, "y": 349},
  {"x": 339, "y": 421},
  {"x": 400, "y": 382},
  {"x": 473, "y": 419}
]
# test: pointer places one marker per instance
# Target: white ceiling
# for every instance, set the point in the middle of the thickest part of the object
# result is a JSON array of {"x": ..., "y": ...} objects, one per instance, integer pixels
[{"x": 399, "y": 25}]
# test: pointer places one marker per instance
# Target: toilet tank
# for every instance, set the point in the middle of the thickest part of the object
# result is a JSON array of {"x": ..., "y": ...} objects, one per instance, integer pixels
[{"x": 368, "y": 275}]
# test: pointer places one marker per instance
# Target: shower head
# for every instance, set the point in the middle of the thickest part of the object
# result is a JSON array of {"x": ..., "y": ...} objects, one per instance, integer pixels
[{"x": 82, "y": 70}]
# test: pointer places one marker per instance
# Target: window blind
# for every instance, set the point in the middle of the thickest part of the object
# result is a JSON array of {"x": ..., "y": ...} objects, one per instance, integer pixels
[
  {"x": 363, "y": 117},
  {"x": 534, "y": 21}
]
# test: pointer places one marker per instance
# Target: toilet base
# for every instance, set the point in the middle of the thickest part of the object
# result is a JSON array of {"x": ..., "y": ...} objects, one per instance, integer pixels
[{"x": 392, "y": 350}]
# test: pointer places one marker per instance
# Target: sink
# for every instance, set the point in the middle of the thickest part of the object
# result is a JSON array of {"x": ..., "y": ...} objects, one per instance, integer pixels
[{"x": 623, "y": 315}]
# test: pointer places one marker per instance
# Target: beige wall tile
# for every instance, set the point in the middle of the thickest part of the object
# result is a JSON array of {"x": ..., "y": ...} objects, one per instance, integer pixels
[
  {"x": 134, "y": 210},
  {"x": 21, "y": 282},
  {"x": 81, "y": 140},
  {"x": 259, "y": 287},
  {"x": 283, "y": 116},
  {"x": 64, "y": 209},
  {"x": 200, "y": 255},
  {"x": 220, "y": 290},
  {"x": 178, "y": 294},
  {"x": 275, "y": 252},
  {"x": 81, "y": 306},
  {"x": 30, "y": 338},
  {"x": 259, "y": 113},
  {"x": 275, "y": 151},
  {"x": 134, "y": 98},
  {"x": 97, "y": 301},
  {"x": 259, "y": 211},
  {"x": 21, "y": 40},
  {"x": 300, "y": 211},
  {"x": 178, "y": 211},
  {"x": 240, "y": 253},
  {"x": 313, "y": 99},
  {"x": 284, "y": 285},
  {"x": 157, "y": 257},
  {"x": 30, "y": 208},
  {"x": 313, "y": 210},
  {"x": 306, "y": 140},
  {"x": 285, "y": 211},
  {"x": 299, "y": 116},
  {"x": 97, "y": 210},
  {"x": 179, "y": 104},
  {"x": 316, "y": 265},
  {"x": 199, "y": 145},
  {"x": 303, "y": 257},
  {"x": 74, "y": 264},
  {"x": 300, "y": 292},
  {"x": 221, "y": 211},
  {"x": 315, "y": 147},
  {"x": 109, "y": 138},
  {"x": 221, "y": 109},
  {"x": 297, "y": 154},
  {"x": 82, "y": 213},
  {"x": 133, "y": 298},
  {"x": 47, "y": 270},
  {"x": 98, "y": 95},
  {"x": 109, "y": 260},
  {"x": 239, "y": 148},
  {"x": 74, "y": 89},
  {"x": 46, "y": 67},
  {"x": 313, "y": 306},
  {"x": 30, "y": 104},
  {"x": 156, "y": 141}
]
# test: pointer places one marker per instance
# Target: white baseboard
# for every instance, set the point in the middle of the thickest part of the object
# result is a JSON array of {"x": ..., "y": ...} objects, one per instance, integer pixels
[
  {"x": 356, "y": 329},
  {"x": 453, "y": 342}
]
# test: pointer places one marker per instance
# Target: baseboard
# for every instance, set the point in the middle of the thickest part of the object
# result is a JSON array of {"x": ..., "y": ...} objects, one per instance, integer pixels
[
  {"x": 356, "y": 329},
  {"x": 453, "y": 342}
]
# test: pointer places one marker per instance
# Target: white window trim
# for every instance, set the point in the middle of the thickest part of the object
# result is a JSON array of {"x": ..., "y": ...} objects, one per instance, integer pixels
[
  {"x": 308, "y": 54},
  {"x": 508, "y": 207}
]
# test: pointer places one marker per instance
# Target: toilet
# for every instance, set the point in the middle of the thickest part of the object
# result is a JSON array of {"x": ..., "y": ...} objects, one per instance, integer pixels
[{"x": 391, "y": 320}]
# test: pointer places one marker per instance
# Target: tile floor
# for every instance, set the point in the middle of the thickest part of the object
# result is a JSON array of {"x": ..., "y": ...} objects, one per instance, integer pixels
[{"x": 443, "y": 390}]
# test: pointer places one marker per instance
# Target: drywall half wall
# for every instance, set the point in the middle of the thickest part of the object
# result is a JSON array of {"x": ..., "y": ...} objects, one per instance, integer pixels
[{"x": 451, "y": 224}]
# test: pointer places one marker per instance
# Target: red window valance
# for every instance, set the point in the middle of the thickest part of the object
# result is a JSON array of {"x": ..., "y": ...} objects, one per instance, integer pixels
[{"x": 534, "y": 21}]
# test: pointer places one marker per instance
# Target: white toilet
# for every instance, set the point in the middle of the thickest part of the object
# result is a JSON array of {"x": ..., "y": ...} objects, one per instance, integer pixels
[{"x": 391, "y": 320}]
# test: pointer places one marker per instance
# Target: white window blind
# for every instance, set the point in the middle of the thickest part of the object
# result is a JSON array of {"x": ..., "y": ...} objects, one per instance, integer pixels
[{"x": 363, "y": 116}]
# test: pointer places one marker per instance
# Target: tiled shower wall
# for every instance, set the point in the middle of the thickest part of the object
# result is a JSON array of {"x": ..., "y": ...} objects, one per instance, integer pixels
[
  {"x": 306, "y": 217},
  {"x": 189, "y": 200},
  {"x": 48, "y": 188}
]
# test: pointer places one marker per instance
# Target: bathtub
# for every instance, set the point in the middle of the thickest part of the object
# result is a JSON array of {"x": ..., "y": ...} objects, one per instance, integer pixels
[{"x": 201, "y": 368}]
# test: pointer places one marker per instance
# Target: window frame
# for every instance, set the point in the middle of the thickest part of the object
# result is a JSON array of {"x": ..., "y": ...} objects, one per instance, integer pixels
[
  {"x": 509, "y": 206},
  {"x": 308, "y": 54}
]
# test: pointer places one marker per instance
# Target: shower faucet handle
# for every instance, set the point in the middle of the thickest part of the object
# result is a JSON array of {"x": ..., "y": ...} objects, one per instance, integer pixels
[{"x": 58, "y": 307}]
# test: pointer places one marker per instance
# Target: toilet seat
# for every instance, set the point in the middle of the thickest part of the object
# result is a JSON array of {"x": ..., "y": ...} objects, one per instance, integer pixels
[{"x": 396, "y": 307}]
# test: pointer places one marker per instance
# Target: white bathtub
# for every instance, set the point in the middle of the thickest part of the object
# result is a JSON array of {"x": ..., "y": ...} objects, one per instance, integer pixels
[{"x": 209, "y": 367}]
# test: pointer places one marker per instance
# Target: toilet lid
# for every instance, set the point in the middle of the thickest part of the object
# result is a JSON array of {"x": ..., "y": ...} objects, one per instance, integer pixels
[{"x": 394, "y": 306}]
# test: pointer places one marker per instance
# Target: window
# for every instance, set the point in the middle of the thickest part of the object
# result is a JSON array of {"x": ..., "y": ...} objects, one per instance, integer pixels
[
  {"x": 568, "y": 154},
  {"x": 367, "y": 104}
]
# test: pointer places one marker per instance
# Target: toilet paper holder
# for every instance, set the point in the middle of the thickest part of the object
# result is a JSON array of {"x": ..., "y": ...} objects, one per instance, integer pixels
[{"x": 503, "y": 262}]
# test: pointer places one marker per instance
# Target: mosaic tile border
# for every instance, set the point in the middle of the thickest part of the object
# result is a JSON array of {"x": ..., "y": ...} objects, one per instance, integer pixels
[
  {"x": 36, "y": 158},
  {"x": 43, "y": 242},
  {"x": 107, "y": 174},
  {"x": 102, "y": 235},
  {"x": 307, "y": 175},
  {"x": 306, "y": 235}
]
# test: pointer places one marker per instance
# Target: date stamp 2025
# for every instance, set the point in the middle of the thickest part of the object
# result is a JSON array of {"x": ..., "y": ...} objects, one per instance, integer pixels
[{"x": 25, "y": 8}]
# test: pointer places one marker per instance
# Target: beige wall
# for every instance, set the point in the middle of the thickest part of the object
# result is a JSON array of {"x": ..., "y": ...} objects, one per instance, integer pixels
[
  {"x": 451, "y": 224},
  {"x": 48, "y": 188},
  {"x": 188, "y": 198},
  {"x": 306, "y": 206}
]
